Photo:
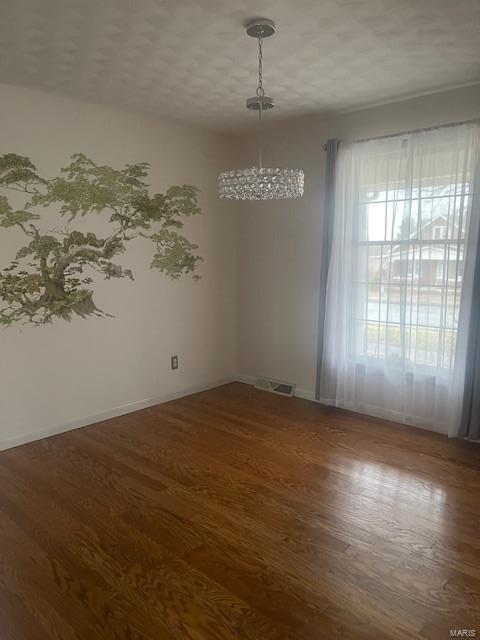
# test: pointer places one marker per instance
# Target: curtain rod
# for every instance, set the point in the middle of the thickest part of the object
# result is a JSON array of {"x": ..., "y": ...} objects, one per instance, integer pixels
[
  {"x": 408, "y": 131},
  {"x": 404, "y": 133}
]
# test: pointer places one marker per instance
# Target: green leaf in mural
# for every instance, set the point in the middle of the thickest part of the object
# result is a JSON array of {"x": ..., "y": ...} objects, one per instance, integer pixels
[
  {"x": 19, "y": 173},
  {"x": 10, "y": 218},
  {"x": 51, "y": 275},
  {"x": 175, "y": 254}
]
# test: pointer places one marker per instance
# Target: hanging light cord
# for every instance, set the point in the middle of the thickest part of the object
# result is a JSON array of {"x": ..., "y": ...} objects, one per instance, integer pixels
[{"x": 260, "y": 95}]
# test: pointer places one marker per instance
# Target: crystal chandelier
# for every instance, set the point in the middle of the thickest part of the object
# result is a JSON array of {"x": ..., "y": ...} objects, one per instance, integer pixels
[{"x": 260, "y": 183}]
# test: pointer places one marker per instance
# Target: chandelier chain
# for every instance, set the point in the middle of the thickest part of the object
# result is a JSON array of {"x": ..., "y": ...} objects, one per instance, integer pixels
[
  {"x": 260, "y": 94},
  {"x": 260, "y": 91}
]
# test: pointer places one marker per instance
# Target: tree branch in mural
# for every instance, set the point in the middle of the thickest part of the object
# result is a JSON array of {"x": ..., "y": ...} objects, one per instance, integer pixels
[{"x": 50, "y": 276}]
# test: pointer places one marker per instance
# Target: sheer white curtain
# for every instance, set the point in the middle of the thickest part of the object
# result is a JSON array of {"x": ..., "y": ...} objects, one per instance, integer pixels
[{"x": 400, "y": 274}]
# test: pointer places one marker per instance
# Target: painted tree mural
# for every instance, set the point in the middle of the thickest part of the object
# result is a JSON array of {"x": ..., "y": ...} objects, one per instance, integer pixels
[{"x": 50, "y": 276}]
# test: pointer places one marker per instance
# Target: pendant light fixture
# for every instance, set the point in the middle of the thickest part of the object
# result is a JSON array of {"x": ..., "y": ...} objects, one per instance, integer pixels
[{"x": 260, "y": 183}]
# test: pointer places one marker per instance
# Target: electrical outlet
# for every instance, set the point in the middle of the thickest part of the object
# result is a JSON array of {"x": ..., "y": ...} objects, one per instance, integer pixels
[{"x": 174, "y": 362}]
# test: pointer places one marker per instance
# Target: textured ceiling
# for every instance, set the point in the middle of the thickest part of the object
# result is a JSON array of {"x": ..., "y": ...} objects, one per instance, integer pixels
[{"x": 192, "y": 60}]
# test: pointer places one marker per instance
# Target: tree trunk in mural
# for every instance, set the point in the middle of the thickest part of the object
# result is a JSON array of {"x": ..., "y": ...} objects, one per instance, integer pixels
[{"x": 51, "y": 276}]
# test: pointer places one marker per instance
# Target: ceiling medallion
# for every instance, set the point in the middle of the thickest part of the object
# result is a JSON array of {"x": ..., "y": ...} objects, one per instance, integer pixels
[{"x": 260, "y": 183}]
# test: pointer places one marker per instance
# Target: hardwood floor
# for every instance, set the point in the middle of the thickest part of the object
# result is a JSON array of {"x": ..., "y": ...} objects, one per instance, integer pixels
[{"x": 236, "y": 514}]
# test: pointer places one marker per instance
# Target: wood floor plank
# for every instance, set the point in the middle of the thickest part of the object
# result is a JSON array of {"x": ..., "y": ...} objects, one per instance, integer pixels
[{"x": 237, "y": 514}]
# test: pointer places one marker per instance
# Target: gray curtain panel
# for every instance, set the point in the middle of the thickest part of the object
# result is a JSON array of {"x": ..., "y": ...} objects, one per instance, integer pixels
[
  {"x": 331, "y": 149},
  {"x": 470, "y": 425}
]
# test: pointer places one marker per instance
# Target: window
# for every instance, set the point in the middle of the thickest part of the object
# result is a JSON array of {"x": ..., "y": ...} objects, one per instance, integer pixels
[{"x": 402, "y": 214}]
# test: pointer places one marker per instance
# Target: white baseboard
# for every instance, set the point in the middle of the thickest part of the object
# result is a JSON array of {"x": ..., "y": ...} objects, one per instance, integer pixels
[
  {"x": 15, "y": 441},
  {"x": 240, "y": 377},
  {"x": 299, "y": 393},
  {"x": 305, "y": 394}
]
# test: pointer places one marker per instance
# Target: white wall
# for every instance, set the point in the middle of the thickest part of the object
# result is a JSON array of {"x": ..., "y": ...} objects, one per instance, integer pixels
[
  {"x": 279, "y": 243},
  {"x": 61, "y": 374}
]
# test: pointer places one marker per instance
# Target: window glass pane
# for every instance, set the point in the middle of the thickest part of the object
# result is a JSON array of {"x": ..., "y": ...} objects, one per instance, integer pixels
[
  {"x": 373, "y": 335},
  {"x": 407, "y": 224},
  {"x": 375, "y": 263},
  {"x": 394, "y": 215},
  {"x": 424, "y": 345},
  {"x": 460, "y": 208},
  {"x": 376, "y": 221},
  {"x": 373, "y": 307},
  {"x": 393, "y": 342}
]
